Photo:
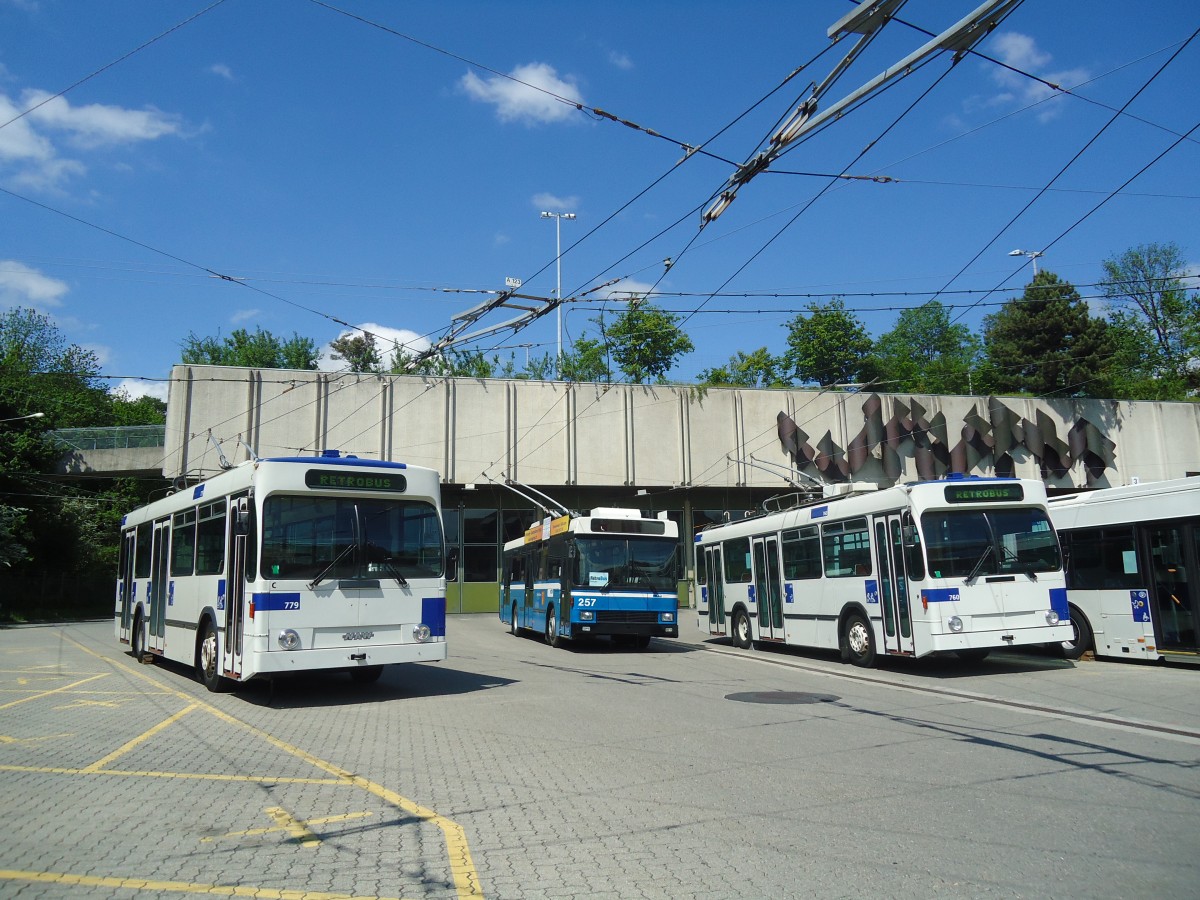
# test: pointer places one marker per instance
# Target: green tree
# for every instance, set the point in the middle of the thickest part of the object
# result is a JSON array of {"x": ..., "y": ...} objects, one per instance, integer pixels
[
  {"x": 1046, "y": 343},
  {"x": 644, "y": 341},
  {"x": 358, "y": 351},
  {"x": 828, "y": 345},
  {"x": 1158, "y": 321},
  {"x": 48, "y": 522},
  {"x": 758, "y": 369},
  {"x": 258, "y": 350},
  {"x": 926, "y": 353}
]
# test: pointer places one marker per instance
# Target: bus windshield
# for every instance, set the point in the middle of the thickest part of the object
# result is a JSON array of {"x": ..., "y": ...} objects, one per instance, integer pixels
[
  {"x": 341, "y": 537},
  {"x": 626, "y": 562},
  {"x": 969, "y": 543}
]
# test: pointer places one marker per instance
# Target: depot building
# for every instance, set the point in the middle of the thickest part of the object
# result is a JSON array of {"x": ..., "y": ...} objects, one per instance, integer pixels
[{"x": 699, "y": 455}]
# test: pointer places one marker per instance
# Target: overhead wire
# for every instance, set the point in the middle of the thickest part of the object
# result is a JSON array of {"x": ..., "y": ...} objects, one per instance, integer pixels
[{"x": 1079, "y": 153}]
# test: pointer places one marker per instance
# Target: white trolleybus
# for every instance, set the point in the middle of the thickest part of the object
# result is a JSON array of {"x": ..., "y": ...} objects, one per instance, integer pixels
[
  {"x": 1132, "y": 556},
  {"x": 611, "y": 572},
  {"x": 962, "y": 565},
  {"x": 288, "y": 565}
]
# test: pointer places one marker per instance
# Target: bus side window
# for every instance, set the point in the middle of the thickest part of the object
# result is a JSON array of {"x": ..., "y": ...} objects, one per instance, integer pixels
[
  {"x": 801, "y": 553},
  {"x": 847, "y": 548}
]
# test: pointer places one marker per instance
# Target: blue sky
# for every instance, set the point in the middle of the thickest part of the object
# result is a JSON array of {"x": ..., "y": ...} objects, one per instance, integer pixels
[{"x": 367, "y": 163}]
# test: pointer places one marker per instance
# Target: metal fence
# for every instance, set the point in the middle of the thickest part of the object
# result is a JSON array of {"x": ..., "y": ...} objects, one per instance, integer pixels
[{"x": 120, "y": 437}]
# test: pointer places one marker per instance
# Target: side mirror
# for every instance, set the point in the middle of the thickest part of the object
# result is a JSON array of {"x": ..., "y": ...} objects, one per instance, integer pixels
[
  {"x": 452, "y": 564},
  {"x": 242, "y": 522}
]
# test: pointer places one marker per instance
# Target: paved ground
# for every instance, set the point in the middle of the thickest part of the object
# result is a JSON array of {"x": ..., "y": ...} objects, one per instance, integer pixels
[{"x": 516, "y": 770}]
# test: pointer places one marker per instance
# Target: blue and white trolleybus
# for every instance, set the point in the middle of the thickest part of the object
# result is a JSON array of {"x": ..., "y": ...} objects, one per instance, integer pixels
[
  {"x": 962, "y": 565},
  {"x": 610, "y": 573}
]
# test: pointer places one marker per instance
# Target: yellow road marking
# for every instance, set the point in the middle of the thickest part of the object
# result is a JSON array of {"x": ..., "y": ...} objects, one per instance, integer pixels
[
  {"x": 195, "y": 776},
  {"x": 256, "y": 832},
  {"x": 182, "y": 887},
  {"x": 462, "y": 867},
  {"x": 5, "y": 739},
  {"x": 293, "y": 826},
  {"x": 81, "y": 703},
  {"x": 58, "y": 690},
  {"x": 141, "y": 738}
]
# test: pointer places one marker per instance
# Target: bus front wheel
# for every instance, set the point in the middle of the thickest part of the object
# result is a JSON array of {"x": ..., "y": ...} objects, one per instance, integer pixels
[
  {"x": 208, "y": 660},
  {"x": 513, "y": 628},
  {"x": 859, "y": 641},
  {"x": 1081, "y": 643},
  {"x": 552, "y": 637}
]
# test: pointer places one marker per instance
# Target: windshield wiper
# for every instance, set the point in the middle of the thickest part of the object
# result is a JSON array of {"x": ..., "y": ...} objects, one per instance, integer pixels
[
  {"x": 974, "y": 573},
  {"x": 400, "y": 580},
  {"x": 329, "y": 568},
  {"x": 1026, "y": 569}
]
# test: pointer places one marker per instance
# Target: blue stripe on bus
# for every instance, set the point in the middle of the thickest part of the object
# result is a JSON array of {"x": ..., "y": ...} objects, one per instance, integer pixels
[
  {"x": 198, "y": 492},
  {"x": 1058, "y": 603},
  {"x": 276, "y": 600},
  {"x": 433, "y": 614},
  {"x": 941, "y": 595}
]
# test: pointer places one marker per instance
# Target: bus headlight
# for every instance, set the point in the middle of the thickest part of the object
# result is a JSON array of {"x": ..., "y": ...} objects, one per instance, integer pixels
[
  {"x": 955, "y": 624},
  {"x": 587, "y": 615},
  {"x": 1051, "y": 617},
  {"x": 289, "y": 640},
  {"x": 421, "y": 633},
  {"x": 667, "y": 617}
]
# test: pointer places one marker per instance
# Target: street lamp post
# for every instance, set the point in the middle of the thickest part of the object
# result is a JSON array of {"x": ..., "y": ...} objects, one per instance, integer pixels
[
  {"x": 558, "y": 217},
  {"x": 1032, "y": 254},
  {"x": 36, "y": 415}
]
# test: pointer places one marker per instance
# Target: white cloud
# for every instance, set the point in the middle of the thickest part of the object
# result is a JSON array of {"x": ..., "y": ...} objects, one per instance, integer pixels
[
  {"x": 245, "y": 315},
  {"x": 1022, "y": 52},
  {"x": 23, "y": 286},
  {"x": 627, "y": 289},
  {"x": 221, "y": 70},
  {"x": 30, "y": 151},
  {"x": 98, "y": 124},
  {"x": 620, "y": 60},
  {"x": 102, "y": 352},
  {"x": 137, "y": 387},
  {"x": 553, "y": 203},
  {"x": 386, "y": 338},
  {"x": 523, "y": 97}
]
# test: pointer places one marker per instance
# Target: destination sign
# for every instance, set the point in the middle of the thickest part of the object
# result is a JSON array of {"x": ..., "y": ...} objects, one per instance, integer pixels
[
  {"x": 984, "y": 493},
  {"x": 355, "y": 481}
]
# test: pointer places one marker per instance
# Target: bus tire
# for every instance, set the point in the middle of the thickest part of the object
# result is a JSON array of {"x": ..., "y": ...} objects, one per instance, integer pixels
[
  {"x": 640, "y": 641},
  {"x": 552, "y": 636},
  {"x": 366, "y": 674},
  {"x": 137, "y": 637},
  {"x": 741, "y": 633},
  {"x": 208, "y": 659},
  {"x": 859, "y": 640},
  {"x": 1084, "y": 638},
  {"x": 513, "y": 628}
]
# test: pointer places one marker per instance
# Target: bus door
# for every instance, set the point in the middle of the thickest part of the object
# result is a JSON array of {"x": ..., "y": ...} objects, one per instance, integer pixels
[
  {"x": 1174, "y": 552},
  {"x": 715, "y": 589},
  {"x": 893, "y": 585},
  {"x": 235, "y": 587},
  {"x": 768, "y": 588},
  {"x": 160, "y": 561},
  {"x": 126, "y": 576}
]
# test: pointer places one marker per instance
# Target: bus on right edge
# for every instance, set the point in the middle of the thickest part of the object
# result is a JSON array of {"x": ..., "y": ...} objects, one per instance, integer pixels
[{"x": 1131, "y": 558}]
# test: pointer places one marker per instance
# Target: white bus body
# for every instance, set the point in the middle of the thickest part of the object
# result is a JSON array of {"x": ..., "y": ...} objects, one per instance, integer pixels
[
  {"x": 1132, "y": 556},
  {"x": 288, "y": 565},
  {"x": 963, "y": 565}
]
